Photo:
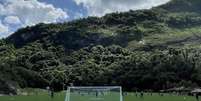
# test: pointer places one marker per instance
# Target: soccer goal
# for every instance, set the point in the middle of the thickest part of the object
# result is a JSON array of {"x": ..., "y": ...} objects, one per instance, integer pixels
[{"x": 111, "y": 93}]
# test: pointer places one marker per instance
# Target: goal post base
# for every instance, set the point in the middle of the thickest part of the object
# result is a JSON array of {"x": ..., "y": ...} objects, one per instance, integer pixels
[{"x": 94, "y": 93}]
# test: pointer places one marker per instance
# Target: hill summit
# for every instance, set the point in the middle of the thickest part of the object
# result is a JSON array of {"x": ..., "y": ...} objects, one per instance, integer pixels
[
  {"x": 183, "y": 6},
  {"x": 132, "y": 49}
]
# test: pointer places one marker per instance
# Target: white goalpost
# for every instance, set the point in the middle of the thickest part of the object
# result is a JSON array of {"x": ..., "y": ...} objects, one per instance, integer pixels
[{"x": 92, "y": 93}]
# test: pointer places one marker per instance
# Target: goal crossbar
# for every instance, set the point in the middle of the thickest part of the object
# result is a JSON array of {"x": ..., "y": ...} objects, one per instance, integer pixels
[{"x": 111, "y": 87}]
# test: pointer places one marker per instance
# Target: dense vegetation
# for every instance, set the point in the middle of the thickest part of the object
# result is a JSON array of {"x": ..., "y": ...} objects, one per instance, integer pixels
[{"x": 145, "y": 49}]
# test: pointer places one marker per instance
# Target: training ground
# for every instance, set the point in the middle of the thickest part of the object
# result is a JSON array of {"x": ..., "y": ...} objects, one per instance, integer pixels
[{"x": 60, "y": 96}]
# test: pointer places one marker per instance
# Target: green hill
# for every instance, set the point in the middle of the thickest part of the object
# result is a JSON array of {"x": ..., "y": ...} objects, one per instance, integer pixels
[
  {"x": 132, "y": 49},
  {"x": 183, "y": 6}
]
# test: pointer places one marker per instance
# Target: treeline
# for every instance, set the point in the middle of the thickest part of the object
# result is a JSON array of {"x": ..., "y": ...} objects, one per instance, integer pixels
[
  {"x": 98, "y": 65},
  {"x": 134, "y": 70}
]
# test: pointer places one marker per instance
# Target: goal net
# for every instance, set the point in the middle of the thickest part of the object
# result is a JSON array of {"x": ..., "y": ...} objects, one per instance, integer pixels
[{"x": 113, "y": 93}]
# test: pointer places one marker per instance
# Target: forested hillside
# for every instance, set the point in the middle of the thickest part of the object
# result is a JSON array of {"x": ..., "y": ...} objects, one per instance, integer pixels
[{"x": 145, "y": 49}]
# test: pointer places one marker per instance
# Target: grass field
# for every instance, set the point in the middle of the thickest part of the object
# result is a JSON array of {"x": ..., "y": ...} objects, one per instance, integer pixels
[
  {"x": 129, "y": 97},
  {"x": 112, "y": 96}
]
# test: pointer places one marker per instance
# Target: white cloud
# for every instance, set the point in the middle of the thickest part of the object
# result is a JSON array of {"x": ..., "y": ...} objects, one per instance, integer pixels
[
  {"x": 12, "y": 20},
  {"x": 3, "y": 29},
  {"x": 28, "y": 12},
  {"x": 101, "y": 7},
  {"x": 78, "y": 15}
]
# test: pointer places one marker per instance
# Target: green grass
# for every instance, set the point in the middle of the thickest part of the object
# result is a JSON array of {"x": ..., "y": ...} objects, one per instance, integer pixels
[
  {"x": 171, "y": 35},
  {"x": 112, "y": 96},
  {"x": 157, "y": 97},
  {"x": 130, "y": 97},
  {"x": 41, "y": 97}
]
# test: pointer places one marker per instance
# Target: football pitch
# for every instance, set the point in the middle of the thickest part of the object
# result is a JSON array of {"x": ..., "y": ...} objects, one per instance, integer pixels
[{"x": 128, "y": 97}]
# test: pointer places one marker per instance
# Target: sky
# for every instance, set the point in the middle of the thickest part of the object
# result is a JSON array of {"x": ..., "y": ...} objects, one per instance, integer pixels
[{"x": 15, "y": 14}]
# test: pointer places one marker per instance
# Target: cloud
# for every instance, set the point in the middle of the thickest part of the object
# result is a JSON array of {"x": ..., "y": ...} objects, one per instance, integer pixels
[
  {"x": 3, "y": 29},
  {"x": 12, "y": 20},
  {"x": 101, "y": 7},
  {"x": 28, "y": 12}
]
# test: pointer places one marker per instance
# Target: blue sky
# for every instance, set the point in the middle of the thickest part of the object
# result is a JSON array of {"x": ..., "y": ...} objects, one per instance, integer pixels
[
  {"x": 15, "y": 14},
  {"x": 70, "y": 7}
]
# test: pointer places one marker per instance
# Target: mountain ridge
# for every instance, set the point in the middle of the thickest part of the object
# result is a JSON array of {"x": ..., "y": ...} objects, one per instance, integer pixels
[{"x": 160, "y": 45}]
